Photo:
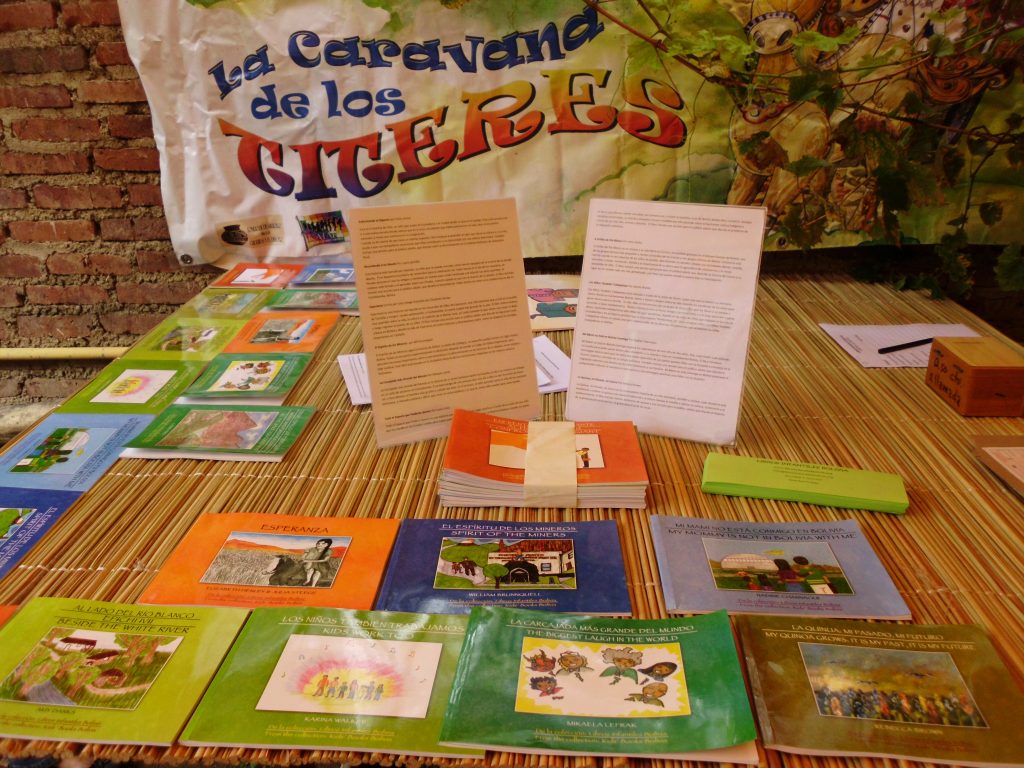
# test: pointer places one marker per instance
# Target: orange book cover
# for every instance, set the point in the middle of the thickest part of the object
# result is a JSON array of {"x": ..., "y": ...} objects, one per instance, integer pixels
[
  {"x": 6, "y": 611},
  {"x": 258, "y": 276},
  {"x": 283, "y": 332},
  {"x": 253, "y": 560},
  {"x": 494, "y": 448}
]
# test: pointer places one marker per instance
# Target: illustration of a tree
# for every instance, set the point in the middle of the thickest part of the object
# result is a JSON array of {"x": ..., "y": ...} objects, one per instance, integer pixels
[
  {"x": 140, "y": 645},
  {"x": 68, "y": 662},
  {"x": 38, "y": 673},
  {"x": 80, "y": 677},
  {"x": 495, "y": 571}
]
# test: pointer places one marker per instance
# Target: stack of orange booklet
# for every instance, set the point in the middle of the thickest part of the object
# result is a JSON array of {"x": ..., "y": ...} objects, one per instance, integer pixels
[{"x": 485, "y": 464}]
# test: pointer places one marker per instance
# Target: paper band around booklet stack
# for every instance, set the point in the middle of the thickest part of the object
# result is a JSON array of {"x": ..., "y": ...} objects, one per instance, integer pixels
[{"x": 550, "y": 479}]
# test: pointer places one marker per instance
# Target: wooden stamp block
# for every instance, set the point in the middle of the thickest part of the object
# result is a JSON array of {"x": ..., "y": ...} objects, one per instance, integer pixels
[{"x": 977, "y": 375}]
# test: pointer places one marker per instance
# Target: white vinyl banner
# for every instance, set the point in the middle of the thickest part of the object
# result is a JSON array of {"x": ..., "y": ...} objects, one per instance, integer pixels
[{"x": 275, "y": 117}]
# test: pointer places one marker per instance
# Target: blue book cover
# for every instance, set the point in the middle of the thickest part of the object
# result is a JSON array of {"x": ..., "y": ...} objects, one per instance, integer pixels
[
  {"x": 449, "y": 566},
  {"x": 813, "y": 569},
  {"x": 26, "y": 514},
  {"x": 68, "y": 451}
]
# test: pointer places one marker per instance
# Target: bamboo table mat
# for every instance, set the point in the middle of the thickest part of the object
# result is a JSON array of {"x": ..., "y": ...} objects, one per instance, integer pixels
[{"x": 957, "y": 556}]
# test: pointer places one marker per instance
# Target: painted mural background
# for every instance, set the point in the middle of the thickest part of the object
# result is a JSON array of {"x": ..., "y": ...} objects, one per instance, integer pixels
[{"x": 851, "y": 121}]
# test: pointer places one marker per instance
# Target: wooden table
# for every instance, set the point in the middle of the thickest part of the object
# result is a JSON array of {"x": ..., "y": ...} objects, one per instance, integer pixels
[{"x": 957, "y": 556}]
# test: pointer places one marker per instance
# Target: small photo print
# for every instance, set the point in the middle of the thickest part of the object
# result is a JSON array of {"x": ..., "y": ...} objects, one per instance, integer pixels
[
  {"x": 505, "y": 564},
  {"x": 764, "y": 565},
  {"x": 228, "y": 430},
  {"x": 187, "y": 338},
  {"x": 282, "y": 331},
  {"x": 225, "y": 303},
  {"x": 12, "y": 518},
  {"x": 134, "y": 386},
  {"x": 353, "y": 676},
  {"x": 507, "y": 449},
  {"x": 585, "y": 679},
  {"x": 84, "y": 668},
  {"x": 331, "y": 275},
  {"x": 257, "y": 276},
  {"x": 318, "y": 300},
  {"x": 254, "y": 375},
  {"x": 588, "y": 452},
  {"x": 278, "y": 560},
  {"x": 923, "y": 687},
  {"x": 64, "y": 451}
]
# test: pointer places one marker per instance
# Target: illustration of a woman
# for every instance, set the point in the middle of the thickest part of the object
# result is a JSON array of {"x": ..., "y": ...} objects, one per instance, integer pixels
[
  {"x": 546, "y": 685},
  {"x": 316, "y": 562},
  {"x": 660, "y": 670}
]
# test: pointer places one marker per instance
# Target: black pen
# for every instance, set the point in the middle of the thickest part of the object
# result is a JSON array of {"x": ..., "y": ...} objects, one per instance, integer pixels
[{"x": 904, "y": 345}]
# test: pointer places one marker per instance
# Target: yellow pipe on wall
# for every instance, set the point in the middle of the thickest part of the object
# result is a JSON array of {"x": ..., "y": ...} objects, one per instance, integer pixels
[{"x": 23, "y": 354}]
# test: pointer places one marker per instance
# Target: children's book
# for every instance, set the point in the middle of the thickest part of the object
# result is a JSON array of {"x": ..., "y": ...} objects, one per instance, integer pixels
[
  {"x": 820, "y": 569},
  {"x": 552, "y": 301},
  {"x": 257, "y": 276},
  {"x": 344, "y": 302},
  {"x": 283, "y": 332},
  {"x": 449, "y": 566},
  {"x": 486, "y": 463},
  {"x": 230, "y": 303},
  {"x": 322, "y": 678},
  {"x": 68, "y": 451},
  {"x": 134, "y": 386},
  {"x": 26, "y": 514},
  {"x": 546, "y": 683},
  {"x": 324, "y": 274},
  {"x": 247, "y": 379},
  {"x": 249, "y": 560},
  {"x": 939, "y": 694},
  {"x": 185, "y": 338},
  {"x": 223, "y": 432},
  {"x": 109, "y": 673}
]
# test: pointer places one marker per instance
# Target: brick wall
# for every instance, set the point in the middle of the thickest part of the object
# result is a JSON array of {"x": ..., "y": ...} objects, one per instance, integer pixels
[{"x": 85, "y": 258}]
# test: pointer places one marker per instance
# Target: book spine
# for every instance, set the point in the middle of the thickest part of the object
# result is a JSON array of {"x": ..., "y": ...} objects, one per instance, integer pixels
[
  {"x": 386, "y": 596},
  {"x": 763, "y": 719},
  {"x": 661, "y": 555}
]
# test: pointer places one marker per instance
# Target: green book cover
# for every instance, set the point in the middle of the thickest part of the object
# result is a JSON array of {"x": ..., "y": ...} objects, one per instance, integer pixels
[
  {"x": 536, "y": 682},
  {"x": 326, "y": 678},
  {"x": 344, "y": 301},
  {"x": 134, "y": 386},
  {"x": 227, "y": 303},
  {"x": 227, "y": 432},
  {"x": 934, "y": 693},
  {"x": 186, "y": 338},
  {"x": 811, "y": 483},
  {"x": 249, "y": 376},
  {"x": 90, "y": 671}
]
